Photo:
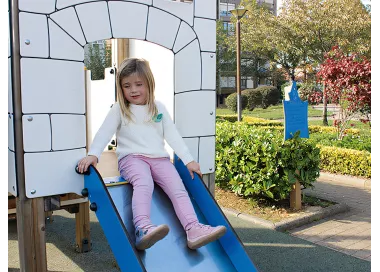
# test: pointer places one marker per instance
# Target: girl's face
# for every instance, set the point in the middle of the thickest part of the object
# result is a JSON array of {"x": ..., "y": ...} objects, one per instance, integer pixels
[{"x": 135, "y": 89}]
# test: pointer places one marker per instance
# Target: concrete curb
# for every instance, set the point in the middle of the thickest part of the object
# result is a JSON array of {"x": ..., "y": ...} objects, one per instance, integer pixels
[
  {"x": 289, "y": 223},
  {"x": 358, "y": 182}
]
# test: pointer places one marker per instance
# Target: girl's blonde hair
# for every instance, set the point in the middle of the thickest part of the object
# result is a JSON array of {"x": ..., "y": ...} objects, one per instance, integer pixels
[{"x": 141, "y": 68}]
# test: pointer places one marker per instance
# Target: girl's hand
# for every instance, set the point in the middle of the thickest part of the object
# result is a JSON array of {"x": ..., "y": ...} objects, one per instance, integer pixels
[
  {"x": 194, "y": 167},
  {"x": 84, "y": 163}
]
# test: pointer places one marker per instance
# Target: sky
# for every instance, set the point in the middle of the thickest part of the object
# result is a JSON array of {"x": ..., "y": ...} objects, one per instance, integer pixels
[{"x": 366, "y": 2}]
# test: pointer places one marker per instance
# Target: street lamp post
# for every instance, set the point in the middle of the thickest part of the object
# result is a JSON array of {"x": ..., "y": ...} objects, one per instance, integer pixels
[{"x": 238, "y": 13}]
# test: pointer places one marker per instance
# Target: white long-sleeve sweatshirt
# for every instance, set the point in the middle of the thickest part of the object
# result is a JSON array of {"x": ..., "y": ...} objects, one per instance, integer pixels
[{"x": 143, "y": 136}]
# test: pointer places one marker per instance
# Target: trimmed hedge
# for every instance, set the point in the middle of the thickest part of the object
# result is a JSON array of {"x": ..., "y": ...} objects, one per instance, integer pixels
[
  {"x": 324, "y": 129},
  {"x": 229, "y": 118},
  {"x": 255, "y": 121},
  {"x": 261, "y": 121},
  {"x": 231, "y": 102},
  {"x": 271, "y": 95},
  {"x": 345, "y": 161},
  {"x": 254, "y": 98}
]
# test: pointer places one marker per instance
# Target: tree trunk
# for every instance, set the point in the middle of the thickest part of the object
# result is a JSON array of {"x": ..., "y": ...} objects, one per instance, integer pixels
[{"x": 325, "y": 122}]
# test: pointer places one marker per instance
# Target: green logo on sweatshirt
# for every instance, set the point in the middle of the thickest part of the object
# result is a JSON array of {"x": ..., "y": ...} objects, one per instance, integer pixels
[{"x": 157, "y": 118}]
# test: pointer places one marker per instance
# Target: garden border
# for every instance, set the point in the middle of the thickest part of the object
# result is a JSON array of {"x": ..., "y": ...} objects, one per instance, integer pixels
[{"x": 292, "y": 222}]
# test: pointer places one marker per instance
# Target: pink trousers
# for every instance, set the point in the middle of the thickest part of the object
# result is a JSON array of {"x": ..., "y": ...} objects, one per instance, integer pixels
[{"x": 141, "y": 171}]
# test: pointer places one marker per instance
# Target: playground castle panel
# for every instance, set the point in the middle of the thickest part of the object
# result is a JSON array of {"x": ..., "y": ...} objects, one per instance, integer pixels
[{"x": 52, "y": 39}]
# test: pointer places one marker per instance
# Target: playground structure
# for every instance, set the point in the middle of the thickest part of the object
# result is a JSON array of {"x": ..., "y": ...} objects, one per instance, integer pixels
[{"x": 49, "y": 118}]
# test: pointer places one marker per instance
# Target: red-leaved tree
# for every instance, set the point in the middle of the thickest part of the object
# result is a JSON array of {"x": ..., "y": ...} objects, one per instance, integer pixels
[{"x": 347, "y": 80}]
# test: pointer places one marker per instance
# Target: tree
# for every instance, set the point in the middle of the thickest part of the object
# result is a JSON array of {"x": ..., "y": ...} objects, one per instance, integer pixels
[
  {"x": 348, "y": 83},
  {"x": 251, "y": 64},
  {"x": 98, "y": 59},
  {"x": 305, "y": 31},
  {"x": 269, "y": 37},
  {"x": 323, "y": 24}
]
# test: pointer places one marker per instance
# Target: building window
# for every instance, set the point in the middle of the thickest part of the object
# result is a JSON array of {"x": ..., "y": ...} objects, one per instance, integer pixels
[
  {"x": 243, "y": 83},
  {"x": 229, "y": 28},
  {"x": 227, "y": 82},
  {"x": 225, "y": 9},
  {"x": 221, "y": 99}
]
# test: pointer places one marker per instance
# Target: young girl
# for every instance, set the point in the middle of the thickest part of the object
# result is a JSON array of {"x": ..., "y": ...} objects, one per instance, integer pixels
[{"x": 141, "y": 125}]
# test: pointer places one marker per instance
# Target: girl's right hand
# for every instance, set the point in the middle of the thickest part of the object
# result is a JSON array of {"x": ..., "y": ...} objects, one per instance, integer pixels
[{"x": 84, "y": 163}]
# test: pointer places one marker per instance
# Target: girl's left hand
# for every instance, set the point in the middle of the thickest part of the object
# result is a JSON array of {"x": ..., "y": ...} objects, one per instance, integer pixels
[{"x": 194, "y": 167}]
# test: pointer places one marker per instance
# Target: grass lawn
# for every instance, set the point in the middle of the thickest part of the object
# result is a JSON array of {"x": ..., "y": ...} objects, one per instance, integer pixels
[{"x": 272, "y": 112}]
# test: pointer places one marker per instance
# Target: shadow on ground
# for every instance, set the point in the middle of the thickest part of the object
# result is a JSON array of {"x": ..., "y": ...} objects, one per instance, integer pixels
[{"x": 270, "y": 251}]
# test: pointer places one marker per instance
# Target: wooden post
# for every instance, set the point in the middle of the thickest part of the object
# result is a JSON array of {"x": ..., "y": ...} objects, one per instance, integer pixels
[
  {"x": 31, "y": 234},
  {"x": 295, "y": 196},
  {"x": 120, "y": 51},
  {"x": 30, "y": 212},
  {"x": 82, "y": 218},
  {"x": 39, "y": 233},
  {"x": 82, "y": 226}
]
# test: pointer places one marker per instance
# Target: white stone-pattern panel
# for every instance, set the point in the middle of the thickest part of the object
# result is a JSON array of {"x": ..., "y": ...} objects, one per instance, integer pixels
[
  {"x": 206, "y": 31},
  {"x": 195, "y": 113},
  {"x": 12, "y": 184},
  {"x": 205, "y": 8},
  {"x": 33, "y": 35},
  {"x": 36, "y": 132},
  {"x": 188, "y": 68},
  {"x": 10, "y": 98},
  {"x": 182, "y": 10},
  {"x": 68, "y": 131},
  {"x": 68, "y": 20},
  {"x": 53, "y": 173},
  {"x": 128, "y": 20},
  {"x": 62, "y": 46},
  {"x": 52, "y": 86},
  {"x": 192, "y": 144},
  {"x": 208, "y": 70},
  {"x": 39, "y": 6},
  {"x": 162, "y": 28},
  {"x": 185, "y": 35},
  {"x": 66, "y": 3},
  {"x": 207, "y": 154},
  {"x": 95, "y": 21},
  {"x": 11, "y": 140}
]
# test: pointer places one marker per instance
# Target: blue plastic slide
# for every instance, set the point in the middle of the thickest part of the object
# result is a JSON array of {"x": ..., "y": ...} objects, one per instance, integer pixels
[{"x": 112, "y": 205}]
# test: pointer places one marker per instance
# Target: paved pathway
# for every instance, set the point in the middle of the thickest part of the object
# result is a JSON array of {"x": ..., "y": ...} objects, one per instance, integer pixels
[{"x": 350, "y": 232}]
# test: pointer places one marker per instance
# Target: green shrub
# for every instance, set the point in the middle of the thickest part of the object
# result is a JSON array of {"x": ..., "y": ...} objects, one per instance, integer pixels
[
  {"x": 231, "y": 102},
  {"x": 254, "y": 98},
  {"x": 271, "y": 96},
  {"x": 255, "y": 162},
  {"x": 345, "y": 161},
  {"x": 302, "y": 155}
]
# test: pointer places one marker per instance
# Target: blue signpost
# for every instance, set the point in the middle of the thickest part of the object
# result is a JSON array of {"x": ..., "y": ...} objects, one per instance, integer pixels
[{"x": 295, "y": 112}]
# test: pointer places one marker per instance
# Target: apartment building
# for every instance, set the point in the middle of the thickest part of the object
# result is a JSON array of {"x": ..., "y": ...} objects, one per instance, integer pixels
[{"x": 227, "y": 79}]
